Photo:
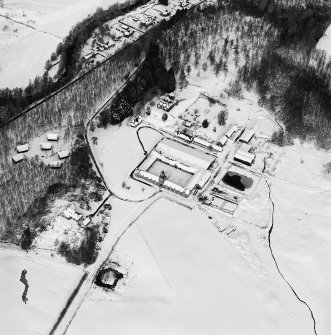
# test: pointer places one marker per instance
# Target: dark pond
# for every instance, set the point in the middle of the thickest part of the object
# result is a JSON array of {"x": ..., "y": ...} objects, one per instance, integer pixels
[
  {"x": 237, "y": 180},
  {"x": 108, "y": 278}
]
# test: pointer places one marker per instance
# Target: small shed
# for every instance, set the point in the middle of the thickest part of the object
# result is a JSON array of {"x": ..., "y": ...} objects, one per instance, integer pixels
[
  {"x": 63, "y": 154},
  {"x": 22, "y": 148},
  {"x": 71, "y": 214},
  {"x": 247, "y": 135},
  {"x": 17, "y": 158},
  {"x": 46, "y": 146},
  {"x": 86, "y": 222},
  {"x": 55, "y": 164},
  {"x": 52, "y": 137},
  {"x": 217, "y": 148}
]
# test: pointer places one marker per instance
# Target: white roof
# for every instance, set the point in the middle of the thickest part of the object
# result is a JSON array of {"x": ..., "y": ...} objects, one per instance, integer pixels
[
  {"x": 70, "y": 213},
  {"x": 217, "y": 147},
  {"x": 231, "y": 131},
  {"x": 204, "y": 178},
  {"x": 247, "y": 135},
  {"x": 22, "y": 148},
  {"x": 223, "y": 140},
  {"x": 63, "y": 154},
  {"x": 184, "y": 153},
  {"x": 244, "y": 156},
  {"x": 46, "y": 146},
  {"x": 52, "y": 137},
  {"x": 86, "y": 222},
  {"x": 17, "y": 158},
  {"x": 201, "y": 141},
  {"x": 55, "y": 164}
]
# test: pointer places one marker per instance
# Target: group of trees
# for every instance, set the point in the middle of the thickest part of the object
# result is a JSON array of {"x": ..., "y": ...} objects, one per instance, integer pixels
[{"x": 152, "y": 74}]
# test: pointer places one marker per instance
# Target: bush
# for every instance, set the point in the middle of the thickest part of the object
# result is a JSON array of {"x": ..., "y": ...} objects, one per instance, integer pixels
[
  {"x": 205, "y": 123},
  {"x": 164, "y": 116},
  {"x": 222, "y": 117},
  {"x": 27, "y": 239},
  {"x": 86, "y": 253}
]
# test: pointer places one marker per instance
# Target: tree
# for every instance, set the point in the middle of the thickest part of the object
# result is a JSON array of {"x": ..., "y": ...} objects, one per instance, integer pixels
[
  {"x": 53, "y": 56},
  {"x": 163, "y": 2},
  {"x": 164, "y": 116},
  {"x": 205, "y": 123},
  {"x": 182, "y": 79},
  {"x": 48, "y": 65},
  {"x": 27, "y": 239},
  {"x": 222, "y": 117},
  {"x": 148, "y": 110}
]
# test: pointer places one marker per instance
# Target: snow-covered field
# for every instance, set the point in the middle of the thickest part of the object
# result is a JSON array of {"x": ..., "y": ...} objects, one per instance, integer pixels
[
  {"x": 24, "y": 50},
  {"x": 185, "y": 278},
  {"x": 50, "y": 285}
]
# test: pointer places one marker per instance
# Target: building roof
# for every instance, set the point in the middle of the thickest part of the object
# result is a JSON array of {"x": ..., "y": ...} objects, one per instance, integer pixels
[
  {"x": 17, "y": 158},
  {"x": 232, "y": 130},
  {"x": 247, "y": 135},
  {"x": 217, "y": 147},
  {"x": 55, "y": 164},
  {"x": 52, "y": 137},
  {"x": 46, "y": 146},
  {"x": 185, "y": 153},
  {"x": 223, "y": 140},
  {"x": 244, "y": 156},
  {"x": 63, "y": 154},
  {"x": 202, "y": 142},
  {"x": 22, "y": 148}
]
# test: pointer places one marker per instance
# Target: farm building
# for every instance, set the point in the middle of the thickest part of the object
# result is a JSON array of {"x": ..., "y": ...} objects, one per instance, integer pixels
[
  {"x": 223, "y": 140},
  {"x": 185, "y": 153},
  {"x": 22, "y": 148},
  {"x": 217, "y": 148},
  {"x": 17, "y": 158},
  {"x": 55, "y": 164},
  {"x": 52, "y": 137},
  {"x": 46, "y": 146},
  {"x": 244, "y": 157},
  {"x": 185, "y": 137},
  {"x": 246, "y": 136},
  {"x": 201, "y": 142},
  {"x": 71, "y": 214},
  {"x": 63, "y": 154},
  {"x": 231, "y": 131}
]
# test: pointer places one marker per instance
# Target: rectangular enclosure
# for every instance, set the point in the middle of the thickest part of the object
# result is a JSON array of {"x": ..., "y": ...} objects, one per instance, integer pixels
[{"x": 174, "y": 175}]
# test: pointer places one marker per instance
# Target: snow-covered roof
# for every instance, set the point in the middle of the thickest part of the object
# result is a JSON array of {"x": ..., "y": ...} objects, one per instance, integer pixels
[
  {"x": 232, "y": 130},
  {"x": 55, "y": 164},
  {"x": 17, "y": 158},
  {"x": 46, "y": 146},
  {"x": 63, "y": 154},
  {"x": 244, "y": 156},
  {"x": 184, "y": 153},
  {"x": 223, "y": 140},
  {"x": 86, "y": 222},
  {"x": 22, "y": 148},
  {"x": 201, "y": 141},
  {"x": 71, "y": 214},
  {"x": 247, "y": 135},
  {"x": 52, "y": 137}
]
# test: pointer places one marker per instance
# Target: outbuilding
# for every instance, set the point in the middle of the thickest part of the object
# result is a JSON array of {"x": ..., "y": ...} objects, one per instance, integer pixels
[
  {"x": 22, "y": 148},
  {"x": 63, "y": 154},
  {"x": 231, "y": 131},
  {"x": 17, "y": 158},
  {"x": 55, "y": 164},
  {"x": 247, "y": 135},
  {"x": 244, "y": 157},
  {"x": 52, "y": 137},
  {"x": 46, "y": 146}
]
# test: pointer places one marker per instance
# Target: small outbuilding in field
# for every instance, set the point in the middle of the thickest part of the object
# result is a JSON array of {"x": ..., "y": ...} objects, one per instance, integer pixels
[
  {"x": 63, "y": 154},
  {"x": 17, "y": 158},
  {"x": 55, "y": 164},
  {"x": 22, "y": 148},
  {"x": 46, "y": 146},
  {"x": 52, "y": 137}
]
